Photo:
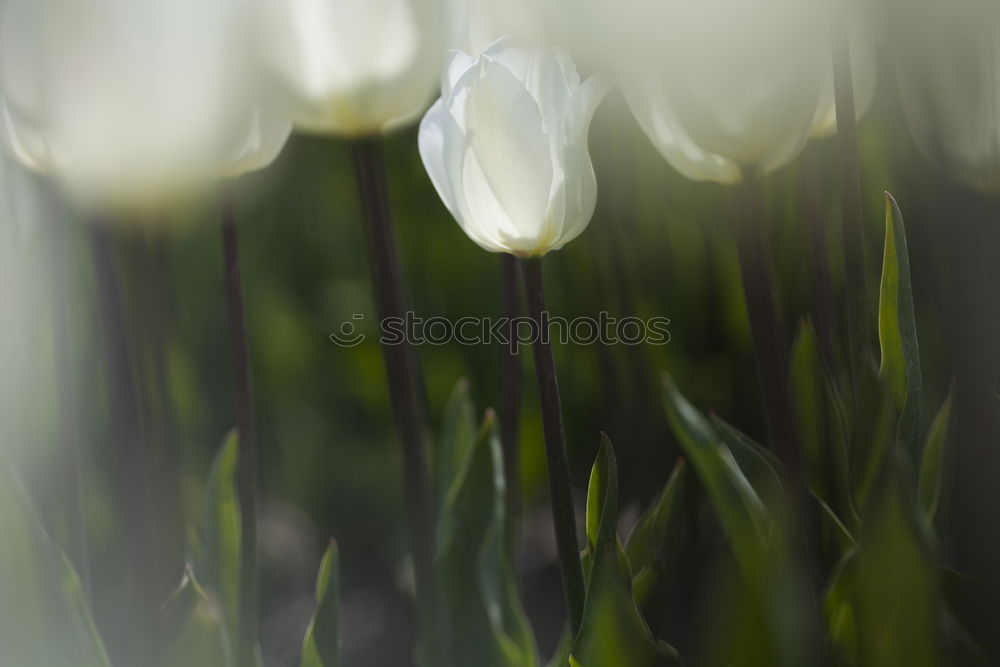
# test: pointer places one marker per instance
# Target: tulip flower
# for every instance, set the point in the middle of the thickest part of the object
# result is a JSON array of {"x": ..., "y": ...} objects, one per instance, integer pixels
[
  {"x": 946, "y": 70},
  {"x": 728, "y": 87},
  {"x": 506, "y": 148},
  {"x": 132, "y": 102},
  {"x": 353, "y": 67}
]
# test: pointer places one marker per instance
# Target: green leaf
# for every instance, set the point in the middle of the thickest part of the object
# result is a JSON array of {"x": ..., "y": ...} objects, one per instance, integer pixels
[
  {"x": 44, "y": 619},
  {"x": 196, "y": 626},
  {"x": 458, "y": 436},
  {"x": 932, "y": 461},
  {"x": 822, "y": 424},
  {"x": 896, "y": 597},
  {"x": 489, "y": 627},
  {"x": 613, "y": 631},
  {"x": 740, "y": 510},
  {"x": 759, "y": 465},
  {"x": 654, "y": 544},
  {"x": 897, "y": 330},
  {"x": 218, "y": 567},
  {"x": 321, "y": 645}
]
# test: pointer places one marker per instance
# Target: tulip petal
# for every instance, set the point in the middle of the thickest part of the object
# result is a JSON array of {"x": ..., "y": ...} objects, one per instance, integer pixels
[
  {"x": 657, "y": 120},
  {"x": 509, "y": 162},
  {"x": 430, "y": 141}
]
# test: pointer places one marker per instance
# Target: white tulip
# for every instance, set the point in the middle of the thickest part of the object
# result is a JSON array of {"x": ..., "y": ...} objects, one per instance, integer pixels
[
  {"x": 131, "y": 102},
  {"x": 948, "y": 72},
  {"x": 353, "y": 67},
  {"x": 723, "y": 87},
  {"x": 506, "y": 148}
]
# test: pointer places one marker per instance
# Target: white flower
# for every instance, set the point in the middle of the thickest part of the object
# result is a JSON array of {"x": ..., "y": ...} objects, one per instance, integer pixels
[
  {"x": 131, "y": 102},
  {"x": 948, "y": 72},
  {"x": 353, "y": 67},
  {"x": 506, "y": 148},
  {"x": 726, "y": 86}
]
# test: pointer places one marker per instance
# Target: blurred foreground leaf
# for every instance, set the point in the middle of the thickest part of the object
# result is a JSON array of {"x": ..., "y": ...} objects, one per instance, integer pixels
[
  {"x": 822, "y": 424},
  {"x": 932, "y": 461},
  {"x": 897, "y": 330},
  {"x": 196, "y": 627},
  {"x": 653, "y": 547},
  {"x": 740, "y": 510},
  {"x": 488, "y": 624},
  {"x": 321, "y": 645},
  {"x": 218, "y": 565},
  {"x": 44, "y": 619}
]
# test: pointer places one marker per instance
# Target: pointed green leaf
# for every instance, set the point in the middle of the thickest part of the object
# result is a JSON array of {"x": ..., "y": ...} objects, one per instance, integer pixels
[
  {"x": 219, "y": 567},
  {"x": 613, "y": 631},
  {"x": 44, "y": 619},
  {"x": 743, "y": 516},
  {"x": 759, "y": 465},
  {"x": 321, "y": 645},
  {"x": 199, "y": 633},
  {"x": 458, "y": 436},
  {"x": 822, "y": 423},
  {"x": 654, "y": 543},
  {"x": 897, "y": 330},
  {"x": 489, "y": 627},
  {"x": 932, "y": 462}
]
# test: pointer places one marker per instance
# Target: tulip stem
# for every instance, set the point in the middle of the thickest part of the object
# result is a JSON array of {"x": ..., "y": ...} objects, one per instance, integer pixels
[
  {"x": 770, "y": 348},
  {"x": 563, "y": 514},
  {"x": 510, "y": 406},
  {"x": 402, "y": 368},
  {"x": 246, "y": 429},
  {"x": 131, "y": 473},
  {"x": 69, "y": 424},
  {"x": 851, "y": 209}
]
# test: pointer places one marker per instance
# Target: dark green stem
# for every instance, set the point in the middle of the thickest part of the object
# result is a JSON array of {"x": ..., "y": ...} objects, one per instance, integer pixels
[
  {"x": 769, "y": 343},
  {"x": 246, "y": 428},
  {"x": 563, "y": 514},
  {"x": 402, "y": 370},
  {"x": 852, "y": 214}
]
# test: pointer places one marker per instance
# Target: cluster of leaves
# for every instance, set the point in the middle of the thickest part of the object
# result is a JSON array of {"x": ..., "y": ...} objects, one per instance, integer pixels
[{"x": 838, "y": 562}]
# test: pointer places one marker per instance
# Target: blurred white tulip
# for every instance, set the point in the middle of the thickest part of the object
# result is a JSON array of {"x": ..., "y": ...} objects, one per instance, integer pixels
[
  {"x": 353, "y": 67},
  {"x": 506, "y": 148},
  {"x": 131, "y": 102},
  {"x": 722, "y": 87},
  {"x": 948, "y": 72}
]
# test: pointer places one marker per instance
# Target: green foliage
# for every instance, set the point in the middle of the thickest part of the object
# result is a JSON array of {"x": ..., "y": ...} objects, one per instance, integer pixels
[
  {"x": 653, "y": 546},
  {"x": 613, "y": 630},
  {"x": 897, "y": 330},
  {"x": 933, "y": 459},
  {"x": 488, "y": 625},
  {"x": 321, "y": 645},
  {"x": 44, "y": 619},
  {"x": 821, "y": 419},
  {"x": 218, "y": 564},
  {"x": 196, "y": 627}
]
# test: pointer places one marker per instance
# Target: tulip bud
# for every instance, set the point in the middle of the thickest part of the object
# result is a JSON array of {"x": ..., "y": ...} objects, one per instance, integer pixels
[
  {"x": 131, "y": 103},
  {"x": 506, "y": 148},
  {"x": 722, "y": 87},
  {"x": 353, "y": 67}
]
